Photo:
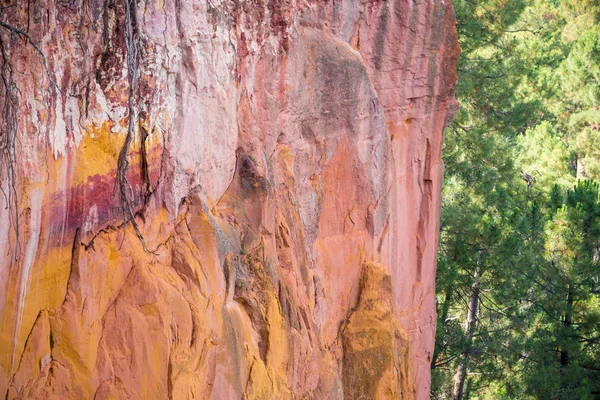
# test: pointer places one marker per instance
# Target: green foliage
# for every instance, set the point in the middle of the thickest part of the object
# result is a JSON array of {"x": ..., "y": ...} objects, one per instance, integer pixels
[
  {"x": 515, "y": 219},
  {"x": 544, "y": 154},
  {"x": 568, "y": 323}
]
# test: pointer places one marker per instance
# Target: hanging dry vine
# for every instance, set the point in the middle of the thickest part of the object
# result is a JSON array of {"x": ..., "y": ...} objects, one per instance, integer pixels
[
  {"x": 9, "y": 129},
  {"x": 126, "y": 193},
  {"x": 8, "y": 134},
  {"x": 24, "y": 35},
  {"x": 8, "y": 146},
  {"x": 9, "y": 124}
]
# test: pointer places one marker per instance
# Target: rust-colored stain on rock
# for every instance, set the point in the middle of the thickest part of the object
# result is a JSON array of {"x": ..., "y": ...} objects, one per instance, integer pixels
[{"x": 285, "y": 173}]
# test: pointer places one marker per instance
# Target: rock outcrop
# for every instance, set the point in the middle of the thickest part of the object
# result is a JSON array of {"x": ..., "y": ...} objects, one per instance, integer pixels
[{"x": 221, "y": 199}]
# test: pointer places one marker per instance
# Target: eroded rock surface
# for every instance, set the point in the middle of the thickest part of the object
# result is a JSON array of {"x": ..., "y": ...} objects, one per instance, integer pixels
[{"x": 285, "y": 175}]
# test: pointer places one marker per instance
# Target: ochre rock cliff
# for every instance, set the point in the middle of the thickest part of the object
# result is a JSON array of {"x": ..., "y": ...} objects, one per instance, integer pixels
[{"x": 281, "y": 159}]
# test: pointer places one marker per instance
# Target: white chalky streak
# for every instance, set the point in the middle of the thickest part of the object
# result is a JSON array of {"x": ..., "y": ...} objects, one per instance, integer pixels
[{"x": 35, "y": 222}]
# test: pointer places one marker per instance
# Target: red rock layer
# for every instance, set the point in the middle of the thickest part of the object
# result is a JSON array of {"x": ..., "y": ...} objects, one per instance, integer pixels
[{"x": 286, "y": 176}]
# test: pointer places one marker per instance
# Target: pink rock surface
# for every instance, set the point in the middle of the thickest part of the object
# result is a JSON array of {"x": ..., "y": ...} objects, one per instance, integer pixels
[{"x": 286, "y": 161}]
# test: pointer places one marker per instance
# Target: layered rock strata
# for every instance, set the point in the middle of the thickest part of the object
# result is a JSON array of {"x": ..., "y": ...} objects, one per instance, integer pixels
[{"x": 281, "y": 162}]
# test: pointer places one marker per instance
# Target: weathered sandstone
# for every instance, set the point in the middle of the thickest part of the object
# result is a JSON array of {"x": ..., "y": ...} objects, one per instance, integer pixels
[{"x": 285, "y": 176}]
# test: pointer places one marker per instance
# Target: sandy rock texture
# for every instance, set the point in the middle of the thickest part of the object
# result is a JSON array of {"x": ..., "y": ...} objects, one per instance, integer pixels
[{"x": 284, "y": 172}]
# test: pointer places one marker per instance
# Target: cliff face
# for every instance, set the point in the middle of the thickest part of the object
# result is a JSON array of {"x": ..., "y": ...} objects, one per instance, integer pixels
[{"x": 282, "y": 160}]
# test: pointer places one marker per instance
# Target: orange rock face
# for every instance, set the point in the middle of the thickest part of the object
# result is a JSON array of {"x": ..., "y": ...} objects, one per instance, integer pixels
[{"x": 285, "y": 176}]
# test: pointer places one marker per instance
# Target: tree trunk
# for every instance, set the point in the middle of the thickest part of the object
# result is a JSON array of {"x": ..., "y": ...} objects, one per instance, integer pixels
[
  {"x": 580, "y": 168},
  {"x": 443, "y": 318},
  {"x": 461, "y": 372},
  {"x": 567, "y": 322}
]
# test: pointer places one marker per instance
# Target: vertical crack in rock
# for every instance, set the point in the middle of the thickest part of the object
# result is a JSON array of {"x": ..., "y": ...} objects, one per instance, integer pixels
[{"x": 424, "y": 210}]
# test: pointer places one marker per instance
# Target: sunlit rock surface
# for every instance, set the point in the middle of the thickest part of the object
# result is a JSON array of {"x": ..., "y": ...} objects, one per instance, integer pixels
[{"x": 286, "y": 172}]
